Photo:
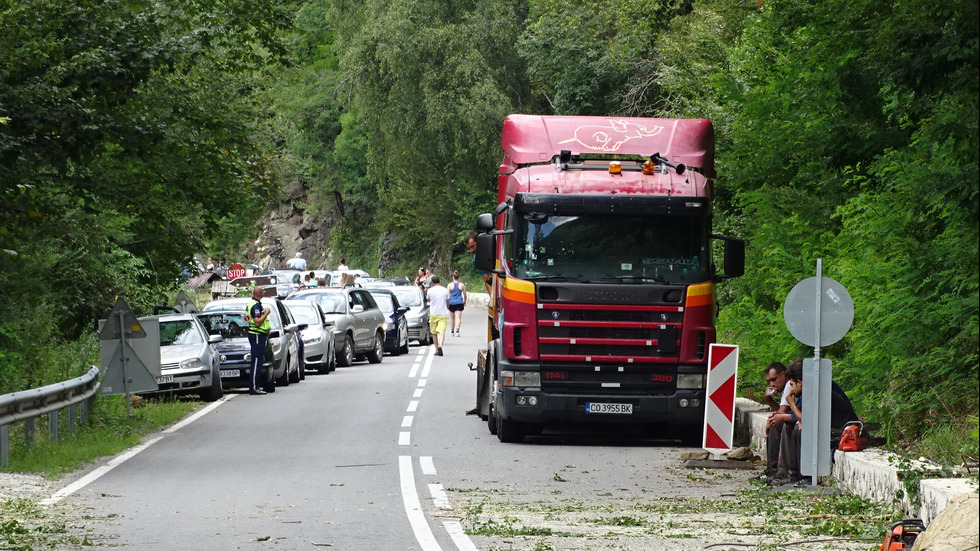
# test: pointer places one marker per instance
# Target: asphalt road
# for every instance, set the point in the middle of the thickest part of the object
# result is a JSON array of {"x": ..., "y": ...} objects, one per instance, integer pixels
[{"x": 380, "y": 457}]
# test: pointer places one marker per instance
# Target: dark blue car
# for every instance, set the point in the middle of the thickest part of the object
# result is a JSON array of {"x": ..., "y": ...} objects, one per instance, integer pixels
[{"x": 395, "y": 326}]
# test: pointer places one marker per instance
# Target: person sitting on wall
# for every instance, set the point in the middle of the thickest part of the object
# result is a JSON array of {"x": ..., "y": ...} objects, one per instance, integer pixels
[
  {"x": 780, "y": 413},
  {"x": 790, "y": 445}
]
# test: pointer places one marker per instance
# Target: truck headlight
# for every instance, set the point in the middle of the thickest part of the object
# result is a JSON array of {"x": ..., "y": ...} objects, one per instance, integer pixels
[
  {"x": 520, "y": 378},
  {"x": 690, "y": 380}
]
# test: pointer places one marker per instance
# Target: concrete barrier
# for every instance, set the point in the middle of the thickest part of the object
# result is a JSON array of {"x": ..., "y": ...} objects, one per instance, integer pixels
[{"x": 872, "y": 474}]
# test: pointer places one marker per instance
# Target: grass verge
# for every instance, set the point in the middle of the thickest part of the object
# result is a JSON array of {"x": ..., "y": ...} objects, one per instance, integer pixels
[
  {"x": 24, "y": 524},
  {"x": 109, "y": 431}
]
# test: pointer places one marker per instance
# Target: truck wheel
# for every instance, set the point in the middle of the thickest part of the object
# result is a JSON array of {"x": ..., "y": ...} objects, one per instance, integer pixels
[
  {"x": 492, "y": 419},
  {"x": 509, "y": 431}
]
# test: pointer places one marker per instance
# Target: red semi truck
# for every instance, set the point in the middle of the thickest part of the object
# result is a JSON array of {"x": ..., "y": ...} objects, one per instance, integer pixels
[{"x": 598, "y": 260}]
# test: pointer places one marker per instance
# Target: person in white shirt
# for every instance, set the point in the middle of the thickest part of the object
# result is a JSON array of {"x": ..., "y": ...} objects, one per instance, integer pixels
[
  {"x": 438, "y": 312},
  {"x": 343, "y": 266},
  {"x": 297, "y": 262}
]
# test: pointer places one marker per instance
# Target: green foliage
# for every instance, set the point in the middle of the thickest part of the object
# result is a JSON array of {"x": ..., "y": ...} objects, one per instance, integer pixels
[
  {"x": 849, "y": 136},
  {"x": 131, "y": 128}
]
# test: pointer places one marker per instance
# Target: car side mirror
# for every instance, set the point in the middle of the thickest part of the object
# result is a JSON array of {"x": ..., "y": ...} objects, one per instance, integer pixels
[
  {"x": 214, "y": 339},
  {"x": 357, "y": 309},
  {"x": 275, "y": 334},
  {"x": 403, "y": 309}
]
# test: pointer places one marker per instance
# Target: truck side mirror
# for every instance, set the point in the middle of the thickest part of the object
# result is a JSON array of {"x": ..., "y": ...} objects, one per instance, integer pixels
[
  {"x": 734, "y": 258},
  {"x": 484, "y": 222},
  {"x": 485, "y": 259}
]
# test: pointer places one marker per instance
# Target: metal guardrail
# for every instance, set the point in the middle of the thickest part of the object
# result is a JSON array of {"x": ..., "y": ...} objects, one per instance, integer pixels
[{"x": 27, "y": 405}]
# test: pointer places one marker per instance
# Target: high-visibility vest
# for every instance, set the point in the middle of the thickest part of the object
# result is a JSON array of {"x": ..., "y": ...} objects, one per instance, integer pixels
[{"x": 257, "y": 329}]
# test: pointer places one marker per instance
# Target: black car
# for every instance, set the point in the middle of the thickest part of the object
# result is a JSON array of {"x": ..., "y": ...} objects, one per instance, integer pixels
[
  {"x": 396, "y": 324},
  {"x": 235, "y": 351}
]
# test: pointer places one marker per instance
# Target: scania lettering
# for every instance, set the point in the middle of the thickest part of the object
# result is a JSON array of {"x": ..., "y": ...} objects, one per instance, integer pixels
[{"x": 601, "y": 275}]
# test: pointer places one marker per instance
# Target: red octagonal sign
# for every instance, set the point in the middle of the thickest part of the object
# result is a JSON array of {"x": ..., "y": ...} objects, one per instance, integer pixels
[{"x": 236, "y": 271}]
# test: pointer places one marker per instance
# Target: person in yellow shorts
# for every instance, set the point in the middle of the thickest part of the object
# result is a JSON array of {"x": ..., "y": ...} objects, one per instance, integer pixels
[{"x": 438, "y": 312}]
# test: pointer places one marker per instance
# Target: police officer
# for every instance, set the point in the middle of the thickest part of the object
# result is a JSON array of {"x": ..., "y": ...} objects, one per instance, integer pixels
[{"x": 258, "y": 336}]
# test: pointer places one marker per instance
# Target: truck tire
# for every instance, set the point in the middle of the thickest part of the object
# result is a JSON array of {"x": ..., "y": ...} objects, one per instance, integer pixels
[
  {"x": 492, "y": 419},
  {"x": 509, "y": 431}
]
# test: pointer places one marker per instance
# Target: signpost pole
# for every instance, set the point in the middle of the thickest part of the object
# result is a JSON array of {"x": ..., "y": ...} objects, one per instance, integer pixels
[
  {"x": 125, "y": 359},
  {"x": 814, "y": 416}
]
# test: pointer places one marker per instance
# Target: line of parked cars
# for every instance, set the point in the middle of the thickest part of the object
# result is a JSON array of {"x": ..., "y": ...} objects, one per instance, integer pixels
[{"x": 317, "y": 328}]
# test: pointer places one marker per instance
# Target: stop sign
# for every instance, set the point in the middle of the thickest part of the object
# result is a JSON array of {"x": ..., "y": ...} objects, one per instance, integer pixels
[{"x": 236, "y": 271}]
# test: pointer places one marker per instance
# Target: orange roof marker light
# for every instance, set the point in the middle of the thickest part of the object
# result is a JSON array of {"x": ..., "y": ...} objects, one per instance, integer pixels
[
  {"x": 615, "y": 167},
  {"x": 649, "y": 168}
]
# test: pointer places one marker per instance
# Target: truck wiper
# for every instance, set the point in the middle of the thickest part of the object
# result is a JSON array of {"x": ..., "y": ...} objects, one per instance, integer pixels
[
  {"x": 637, "y": 278},
  {"x": 557, "y": 278}
]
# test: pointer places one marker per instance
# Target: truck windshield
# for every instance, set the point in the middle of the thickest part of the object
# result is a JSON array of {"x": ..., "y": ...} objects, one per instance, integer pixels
[{"x": 627, "y": 249}]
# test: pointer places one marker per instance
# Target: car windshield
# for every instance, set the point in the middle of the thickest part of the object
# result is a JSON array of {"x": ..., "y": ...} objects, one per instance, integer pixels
[
  {"x": 622, "y": 248},
  {"x": 305, "y": 313},
  {"x": 385, "y": 303},
  {"x": 410, "y": 296},
  {"x": 178, "y": 332},
  {"x": 229, "y": 325}
]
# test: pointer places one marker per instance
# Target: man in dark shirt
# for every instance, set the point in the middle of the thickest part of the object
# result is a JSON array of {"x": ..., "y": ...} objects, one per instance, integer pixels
[{"x": 841, "y": 412}]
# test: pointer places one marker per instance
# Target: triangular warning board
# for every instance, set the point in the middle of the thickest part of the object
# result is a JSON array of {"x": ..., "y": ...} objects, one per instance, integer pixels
[
  {"x": 712, "y": 441},
  {"x": 121, "y": 322},
  {"x": 724, "y": 397},
  {"x": 184, "y": 304},
  {"x": 719, "y": 353}
]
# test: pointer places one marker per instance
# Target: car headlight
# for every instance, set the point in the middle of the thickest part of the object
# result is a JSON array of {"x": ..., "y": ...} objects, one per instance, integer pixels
[
  {"x": 520, "y": 378},
  {"x": 690, "y": 380},
  {"x": 384, "y": 326},
  {"x": 191, "y": 363},
  {"x": 276, "y": 346}
]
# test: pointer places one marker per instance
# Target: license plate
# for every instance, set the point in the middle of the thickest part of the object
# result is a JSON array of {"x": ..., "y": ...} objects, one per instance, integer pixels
[
  {"x": 165, "y": 379},
  {"x": 602, "y": 407},
  {"x": 225, "y": 373}
]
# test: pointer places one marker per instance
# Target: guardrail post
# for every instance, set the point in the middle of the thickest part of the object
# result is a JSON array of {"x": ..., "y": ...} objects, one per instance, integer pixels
[
  {"x": 29, "y": 432},
  {"x": 72, "y": 418},
  {"x": 4, "y": 446},
  {"x": 53, "y": 426}
]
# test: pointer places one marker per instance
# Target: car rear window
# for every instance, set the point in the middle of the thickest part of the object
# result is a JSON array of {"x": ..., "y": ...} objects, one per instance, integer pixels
[{"x": 229, "y": 326}]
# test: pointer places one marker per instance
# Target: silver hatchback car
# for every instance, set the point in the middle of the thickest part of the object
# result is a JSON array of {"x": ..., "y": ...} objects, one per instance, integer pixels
[
  {"x": 358, "y": 319},
  {"x": 317, "y": 332}
]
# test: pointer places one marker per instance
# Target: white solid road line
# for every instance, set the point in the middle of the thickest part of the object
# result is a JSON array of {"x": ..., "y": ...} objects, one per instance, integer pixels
[
  {"x": 204, "y": 411},
  {"x": 416, "y": 517},
  {"x": 98, "y": 472}
]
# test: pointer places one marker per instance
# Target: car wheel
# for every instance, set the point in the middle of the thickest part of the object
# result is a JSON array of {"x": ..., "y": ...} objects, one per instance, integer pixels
[
  {"x": 333, "y": 360},
  {"x": 346, "y": 357},
  {"x": 213, "y": 392},
  {"x": 378, "y": 352},
  {"x": 295, "y": 376},
  {"x": 284, "y": 380},
  {"x": 403, "y": 349}
]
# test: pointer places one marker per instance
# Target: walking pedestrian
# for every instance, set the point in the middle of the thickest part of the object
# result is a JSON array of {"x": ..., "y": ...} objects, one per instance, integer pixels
[
  {"x": 457, "y": 301},
  {"x": 438, "y": 312}
]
